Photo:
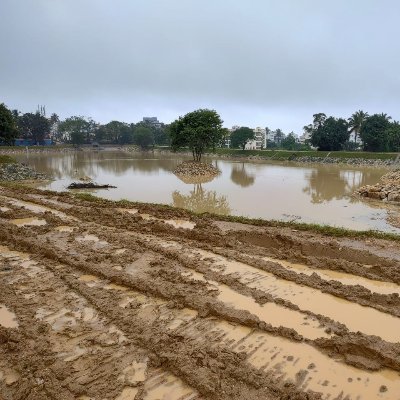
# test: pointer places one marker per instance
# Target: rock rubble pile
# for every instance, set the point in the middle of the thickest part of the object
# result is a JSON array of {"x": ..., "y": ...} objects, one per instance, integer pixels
[
  {"x": 388, "y": 189},
  {"x": 19, "y": 172}
]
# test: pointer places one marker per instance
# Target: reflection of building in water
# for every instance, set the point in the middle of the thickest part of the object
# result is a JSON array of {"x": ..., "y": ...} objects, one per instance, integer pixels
[
  {"x": 240, "y": 176},
  {"x": 326, "y": 183},
  {"x": 200, "y": 201}
]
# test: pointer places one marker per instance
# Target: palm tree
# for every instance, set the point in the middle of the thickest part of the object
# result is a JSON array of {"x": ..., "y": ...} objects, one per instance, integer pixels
[{"x": 355, "y": 122}]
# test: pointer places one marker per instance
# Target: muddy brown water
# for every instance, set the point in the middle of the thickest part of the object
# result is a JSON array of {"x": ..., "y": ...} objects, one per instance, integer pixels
[{"x": 284, "y": 191}]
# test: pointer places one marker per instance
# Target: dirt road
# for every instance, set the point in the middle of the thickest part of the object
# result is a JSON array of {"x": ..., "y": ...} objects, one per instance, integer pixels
[{"x": 101, "y": 301}]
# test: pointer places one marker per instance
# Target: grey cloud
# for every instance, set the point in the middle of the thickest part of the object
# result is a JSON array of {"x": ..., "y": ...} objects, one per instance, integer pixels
[{"x": 259, "y": 62}]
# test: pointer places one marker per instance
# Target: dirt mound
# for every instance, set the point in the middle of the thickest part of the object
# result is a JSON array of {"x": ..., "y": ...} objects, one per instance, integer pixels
[{"x": 196, "y": 172}]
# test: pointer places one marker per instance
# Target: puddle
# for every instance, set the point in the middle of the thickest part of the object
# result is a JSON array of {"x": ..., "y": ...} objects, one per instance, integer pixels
[
  {"x": 353, "y": 315},
  {"x": 343, "y": 277},
  {"x": 9, "y": 376},
  {"x": 270, "y": 313},
  {"x": 7, "y": 318},
  {"x": 28, "y": 221},
  {"x": 180, "y": 223},
  {"x": 58, "y": 320},
  {"x": 299, "y": 363},
  {"x": 176, "y": 223},
  {"x": 128, "y": 210},
  {"x": 90, "y": 280},
  {"x": 128, "y": 393},
  {"x": 273, "y": 314},
  {"x": 92, "y": 238},
  {"x": 113, "y": 286},
  {"x": 75, "y": 354},
  {"x": 167, "y": 387},
  {"x": 120, "y": 251},
  {"x": 134, "y": 373},
  {"x": 148, "y": 217},
  {"x": 35, "y": 207},
  {"x": 5, "y": 252},
  {"x": 64, "y": 229}
]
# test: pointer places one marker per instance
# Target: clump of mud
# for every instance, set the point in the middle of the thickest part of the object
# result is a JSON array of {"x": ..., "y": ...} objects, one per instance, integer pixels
[{"x": 196, "y": 172}]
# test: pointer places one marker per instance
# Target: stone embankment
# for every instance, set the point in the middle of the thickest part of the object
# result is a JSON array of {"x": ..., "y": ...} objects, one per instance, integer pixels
[
  {"x": 388, "y": 189},
  {"x": 19, "y": 172}
]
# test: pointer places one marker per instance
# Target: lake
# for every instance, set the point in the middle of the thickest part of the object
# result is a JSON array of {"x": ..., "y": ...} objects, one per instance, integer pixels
[{"x": 283, "y": 191}]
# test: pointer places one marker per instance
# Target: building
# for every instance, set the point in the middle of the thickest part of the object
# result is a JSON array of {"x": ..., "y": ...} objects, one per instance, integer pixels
[
  {"x": 260, "y": 138},
  {"x": 153, "y": 121}
]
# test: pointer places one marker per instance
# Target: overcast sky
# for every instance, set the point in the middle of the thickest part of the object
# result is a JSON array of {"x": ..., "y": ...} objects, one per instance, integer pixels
[{"x": 257, "y": 62}]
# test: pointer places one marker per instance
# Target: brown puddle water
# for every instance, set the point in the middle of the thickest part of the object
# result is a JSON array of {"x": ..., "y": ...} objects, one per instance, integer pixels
[
  {"x": 354, "y": 316},
  {"x": 176, "y": 223},
  {"x": 7, "y": 318},
  {"x": 343, "y": 277},
  {"x": 35, "y": 207},
  {"x": 64, "y": 229},
  {"x": 271, "y": 313},
  {"x": 307, "y": 367},
  {"x": 28, "y": 221},
  {"x": 167, "y": 387},
  {"x": 285, "y": 359}
]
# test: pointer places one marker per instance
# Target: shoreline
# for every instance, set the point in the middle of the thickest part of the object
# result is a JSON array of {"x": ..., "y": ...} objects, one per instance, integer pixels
[{"x": 386, "y": 160}]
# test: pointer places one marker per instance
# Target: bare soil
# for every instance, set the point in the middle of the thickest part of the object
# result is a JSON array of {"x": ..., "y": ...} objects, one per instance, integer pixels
[{"x": 99, "y": 300}]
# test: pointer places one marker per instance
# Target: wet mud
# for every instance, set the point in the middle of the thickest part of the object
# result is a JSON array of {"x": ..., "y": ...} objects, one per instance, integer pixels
[{"x": 106, "y": 301}]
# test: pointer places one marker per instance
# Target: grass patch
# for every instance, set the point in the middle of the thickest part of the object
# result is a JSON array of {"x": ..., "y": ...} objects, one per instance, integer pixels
[
  {"x": 7, "y": 159},
  {"x": 86, "y": 197}
]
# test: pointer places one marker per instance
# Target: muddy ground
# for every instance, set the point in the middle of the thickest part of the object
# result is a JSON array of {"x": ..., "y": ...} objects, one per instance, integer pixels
[{"x": 99, "y": 300}]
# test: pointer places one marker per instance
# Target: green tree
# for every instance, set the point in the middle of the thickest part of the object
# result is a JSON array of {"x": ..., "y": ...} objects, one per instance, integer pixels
[
  {"x": 393, "y": 133},
  {"x": 374, "y": 133},
  {"x": 356, "y": 121},
  {"x": 34, "y": 126},
  {"x": 8, "y": 129},
  {"x": 143, "y": 137},
  {"x": 118, "y": 132},
  {"x": 77, "y": 130},
  {"x": 240, "y": 137},
  {"x": 197, "y": 130},
  {"x": 331, "y": 134},
  {"x": 279, "y": 136},
  {"x": 289, "y": 142}
]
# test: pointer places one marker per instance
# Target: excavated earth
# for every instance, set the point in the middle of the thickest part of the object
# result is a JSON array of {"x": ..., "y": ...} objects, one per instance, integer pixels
[{"x": 99, "y": 300}]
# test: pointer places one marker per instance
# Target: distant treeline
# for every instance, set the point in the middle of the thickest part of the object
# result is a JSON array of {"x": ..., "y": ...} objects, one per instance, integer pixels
[
  {"x": 77, "y": 130},
  {"x": 361, "y": 131}
]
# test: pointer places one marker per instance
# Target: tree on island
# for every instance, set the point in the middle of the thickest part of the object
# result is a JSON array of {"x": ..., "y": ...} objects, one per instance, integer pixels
[
  {"x": 241, "y": 136},
  {"x": 8, "y": 130},
  {"x": 197, "y": 130},
  {"x": 330, "y": 134}
]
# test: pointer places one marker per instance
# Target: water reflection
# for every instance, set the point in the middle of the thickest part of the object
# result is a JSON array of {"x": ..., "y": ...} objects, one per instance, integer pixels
[
  {"x": 326, "y": 183},
  {"x": 92, "y": 164},
  {"x": 200, "y": 200},
  {"x": 241, "y": 177},
  {"x": 318, "y": 194}
]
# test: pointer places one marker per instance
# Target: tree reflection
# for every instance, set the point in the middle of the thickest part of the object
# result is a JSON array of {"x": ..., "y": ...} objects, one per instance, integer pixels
[
  {"x": 200, "y": 201},
  {"x": 240, "y": 176},
  {"x": 326, "y": 183}
]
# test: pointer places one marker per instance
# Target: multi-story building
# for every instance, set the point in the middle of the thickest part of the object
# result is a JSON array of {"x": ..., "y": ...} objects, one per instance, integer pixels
[{"x": 152, "y": 121}]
